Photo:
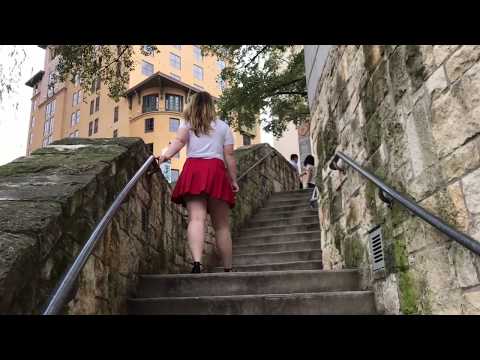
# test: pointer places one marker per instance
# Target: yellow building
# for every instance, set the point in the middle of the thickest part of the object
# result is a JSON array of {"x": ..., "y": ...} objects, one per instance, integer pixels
[{"x": 159, "y": 87}]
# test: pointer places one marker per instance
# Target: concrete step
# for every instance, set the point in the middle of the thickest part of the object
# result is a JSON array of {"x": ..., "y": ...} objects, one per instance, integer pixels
[
  {"x": 282, "y": 229},
  {"x": 285, "y": 237},
  {"x": 323, "y": 303},
  {"x": 276, "y": 247},
  {"x": 284, "y": 215},
  {"x": 288, "y": 208},
  {"x": 295, "y": 265},
  {"x": 284, "y": 221},
  {"x": 299, "y": 198},
  {"x": 287, "y": 202},
  {"x": 304, "y": 192},
  {"x": 247, "y": 283},
  {"x": 276, "y": 257}
]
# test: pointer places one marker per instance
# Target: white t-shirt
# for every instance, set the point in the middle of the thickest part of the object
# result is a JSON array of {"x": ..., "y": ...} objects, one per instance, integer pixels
[{"x": 209, "y": 146}]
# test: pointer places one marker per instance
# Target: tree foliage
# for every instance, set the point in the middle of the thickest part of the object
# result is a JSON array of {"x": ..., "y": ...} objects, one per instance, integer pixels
[
  {"x": 259, "y": 78},
  {"x": 262, "y": 78},
  {"x": 111, "y": 64}
]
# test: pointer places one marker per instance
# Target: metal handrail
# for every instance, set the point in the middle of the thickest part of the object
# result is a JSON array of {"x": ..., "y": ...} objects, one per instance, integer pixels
[
  {"x": 255, "y": 165},
  {"x": 60, "y": 295},
  {"x": 419, "y": 211}
]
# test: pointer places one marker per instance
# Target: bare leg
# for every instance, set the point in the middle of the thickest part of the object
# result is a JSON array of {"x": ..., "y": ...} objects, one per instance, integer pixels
[
  {"x": 197, "y": 214},
  {"x": 219, "y": 212}
]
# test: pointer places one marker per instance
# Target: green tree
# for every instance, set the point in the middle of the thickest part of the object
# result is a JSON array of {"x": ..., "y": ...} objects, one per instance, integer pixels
[
  {"x": 262, "y": 78},
  {"x": 259, "y": 78}
]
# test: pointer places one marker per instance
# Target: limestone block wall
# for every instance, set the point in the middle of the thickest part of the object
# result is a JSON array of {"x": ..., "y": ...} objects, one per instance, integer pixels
[
  {"x": 51, "y": 201},
  {"x": 410, "y": 114},
  {"x": 274, "y": 174}
]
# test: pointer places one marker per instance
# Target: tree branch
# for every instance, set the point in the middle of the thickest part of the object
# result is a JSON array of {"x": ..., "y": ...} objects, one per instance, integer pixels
[
  {"x": 256, "y": 55},
  {"x": 303, "y": 93},
  {"x": 115, "y": 60}
]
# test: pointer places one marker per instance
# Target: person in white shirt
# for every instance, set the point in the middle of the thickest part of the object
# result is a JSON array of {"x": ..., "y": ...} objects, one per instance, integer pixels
[
  {"x": 208, "y": 181},
  {"x": 294, "y": 162}
]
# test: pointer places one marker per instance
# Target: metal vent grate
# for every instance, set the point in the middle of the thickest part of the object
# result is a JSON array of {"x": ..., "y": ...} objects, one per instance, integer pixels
[{"x": 376, "y": 249}]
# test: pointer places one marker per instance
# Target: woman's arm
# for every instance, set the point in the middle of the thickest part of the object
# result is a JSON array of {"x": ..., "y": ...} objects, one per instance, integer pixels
[
  {"x": 175, "y": 146},
  {"x": 231, "y": 166}
]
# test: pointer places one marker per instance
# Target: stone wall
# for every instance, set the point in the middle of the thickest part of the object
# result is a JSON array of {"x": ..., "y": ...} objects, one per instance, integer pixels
[
  {"x": 410, "y": 114},
  {"x": 51, "y": 201},
  {"x": 274, "y": 174}
]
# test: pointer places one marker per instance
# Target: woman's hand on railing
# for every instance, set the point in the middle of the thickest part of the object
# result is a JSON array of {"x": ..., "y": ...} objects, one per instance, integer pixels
[
  {"x": 235, "y": 187},
  {"x": 161, "y": 159}
]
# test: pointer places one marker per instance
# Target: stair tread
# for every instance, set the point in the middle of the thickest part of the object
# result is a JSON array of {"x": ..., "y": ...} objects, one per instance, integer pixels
[
  {"x": 277, "y": 252},
  {"x": 281, "y": 234},
  {"x": 278, "y": 227},
  {"x": 247, "y": 274},
  {"x": 279, "y": 263},
  {"x": 277, "y": 244},
  {"x": 256, "y": 296}
]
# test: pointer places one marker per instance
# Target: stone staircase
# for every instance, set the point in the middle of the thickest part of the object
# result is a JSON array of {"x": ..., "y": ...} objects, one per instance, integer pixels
[{"x": 277, "y": 258}]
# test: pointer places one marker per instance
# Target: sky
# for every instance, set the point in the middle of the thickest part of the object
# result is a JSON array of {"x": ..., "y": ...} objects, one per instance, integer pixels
[
  {"x": 15, "y": 107},
  {"x": 14, "y": 120}
]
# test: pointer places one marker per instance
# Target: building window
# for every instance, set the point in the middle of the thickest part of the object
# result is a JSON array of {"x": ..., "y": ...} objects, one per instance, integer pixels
[
  {"x": 95, "y": 126},
  {"x": 48, "y": 125},
  {"x": 197, "y": 72},
  {"x": 90, "y": 128},
  {"x": 175, "y": 76},
  {"x": 197, "y": 52},
  {"x": 92, "y": 105},
  {"x": 175, "y": 61},
  {"x": 174, "y": 123},
  {"x": 221, "y": 65},
  {"x": 73, "y": 119},
  {"x": 77, "y": 80},
  {"x": 179, "y": 47},
  {"x": 149, "y": 125},
  {"x": 247, "y": 140},
  {"x": 174, "y": 175},
  {"x": 32, "y": 124},
  {"x": 50, "y": 85},
  {"x": 34, "y": 105},
  {"x": 75, "y": 99},
  {"x": 148, "y": 49},
  {"x": 147, "y": 68},
  {"x": 221, "y": 84},
  {"x": 97, "y": 103},
  {"x": 115, "y": 133},
  {"x": 96, "y": 85},
  {"x": 173, "y": 103},
  {"x": 31, "y": 139},
  {"x": 150, "y": 147},
  {"x": 77, "y": 133},
  {"x": 115, "y": 114},
  {"x": 150, "y": 103}
]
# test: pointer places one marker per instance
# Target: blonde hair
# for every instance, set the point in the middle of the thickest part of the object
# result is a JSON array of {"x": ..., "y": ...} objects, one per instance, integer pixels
[{"x": 200, "y": 113}]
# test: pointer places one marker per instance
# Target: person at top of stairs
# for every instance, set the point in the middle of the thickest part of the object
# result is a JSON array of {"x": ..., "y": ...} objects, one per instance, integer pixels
[{"x": 208, "y": 181}]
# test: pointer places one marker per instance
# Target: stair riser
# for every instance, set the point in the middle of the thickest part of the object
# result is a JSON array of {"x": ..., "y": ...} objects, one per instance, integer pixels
[
  {"x": 308, "y": 265},
  {"x": 291, "y": 202},
  {"x": 276, "y": 258},
  {"x": 285, "y": 215},
  {"x": 286, "y": 221},
  {"x": 294, "y": 246},
  {"x": 280, "y": 229},
  {"x": 253, "y": 285},
  {"x": 318, "y": 304},
  {"x": 290, "y": 208},
  {"x": 265, "y": 239}
]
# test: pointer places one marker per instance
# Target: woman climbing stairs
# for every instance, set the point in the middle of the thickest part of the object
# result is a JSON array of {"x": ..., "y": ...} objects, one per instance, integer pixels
[{"x": 277, "y": 259}]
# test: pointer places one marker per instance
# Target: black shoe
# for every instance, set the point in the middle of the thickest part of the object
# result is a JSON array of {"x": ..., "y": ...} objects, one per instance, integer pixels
[
  {"x": 228, "y": 270},
  {"x": 196, "y": 268}
]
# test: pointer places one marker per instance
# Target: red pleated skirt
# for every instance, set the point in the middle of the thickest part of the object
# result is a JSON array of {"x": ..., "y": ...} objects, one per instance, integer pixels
[{"x": 204, "y": 177}]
